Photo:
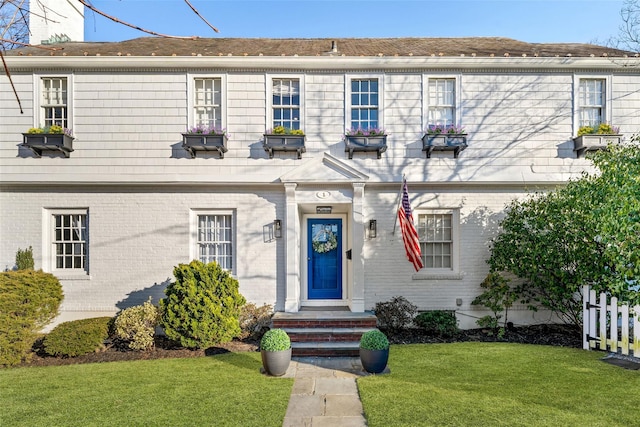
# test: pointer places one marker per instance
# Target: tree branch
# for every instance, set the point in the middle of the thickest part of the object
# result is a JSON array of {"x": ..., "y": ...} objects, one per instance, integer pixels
[{"x": 114, "y": 19}]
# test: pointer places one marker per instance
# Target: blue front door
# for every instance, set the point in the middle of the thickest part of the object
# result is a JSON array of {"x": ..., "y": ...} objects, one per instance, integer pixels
[{"x": 325, "y": 258}]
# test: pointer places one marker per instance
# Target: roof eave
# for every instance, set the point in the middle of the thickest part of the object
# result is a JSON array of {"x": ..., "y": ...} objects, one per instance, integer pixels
[{"x": 316, "y": 63}]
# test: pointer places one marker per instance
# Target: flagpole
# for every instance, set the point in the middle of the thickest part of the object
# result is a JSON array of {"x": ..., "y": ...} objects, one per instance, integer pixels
[{"x": 395, "y": 222}]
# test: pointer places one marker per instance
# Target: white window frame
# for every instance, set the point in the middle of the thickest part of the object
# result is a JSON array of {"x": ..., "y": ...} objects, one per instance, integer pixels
[
  {"x": 347, "y": 91},
  {"x": 194, "y": 252},
  {"x": 191, "y": 97},
  {"x": 48, "y": 241},
  {"x": 608, "y": 98},
  {"x": 38, "y": 84},
  {"x": 269, "y": 94},
  {"x": 457, "y": 87},
  {"x": 442, "y": 273}
]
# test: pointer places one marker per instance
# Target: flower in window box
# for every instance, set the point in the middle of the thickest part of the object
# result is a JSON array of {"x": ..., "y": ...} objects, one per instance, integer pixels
[
  {"x": 374, "y": 131},
  {"x": 281, "y": 138},
  {"x": 48, "y": 138},
  {"x": 593, "y": 138},
  {"x": 205, "y": 138},
  {"x": 438, "y": 137},
  {"x": 446, "y": 129}
]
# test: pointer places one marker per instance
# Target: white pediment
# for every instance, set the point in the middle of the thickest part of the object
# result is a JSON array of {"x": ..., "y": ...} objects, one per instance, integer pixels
[{"x": 326, "y": 169}]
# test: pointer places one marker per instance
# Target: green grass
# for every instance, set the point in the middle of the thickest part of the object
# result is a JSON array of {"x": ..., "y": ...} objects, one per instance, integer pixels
[
  {"x": 223, "y": 390},
  {"x": 488, "y": 384}
]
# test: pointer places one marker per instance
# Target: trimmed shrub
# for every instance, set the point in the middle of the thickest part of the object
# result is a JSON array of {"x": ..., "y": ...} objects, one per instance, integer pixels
[
  {"x": 374, "y": 340},
  {"x": 202, "y": 306},
  {"x": 439, "y": 322},
  {"x": 29, "y": 300},
  {"x": 275, "y": 340},
  {"x": 396, "y": 314},
  {"x": 24, "y": 259},
  {"x": 77, "y": 337},
  {"x": 254, "y": 320},
  {"x": 136, "y": 326}
]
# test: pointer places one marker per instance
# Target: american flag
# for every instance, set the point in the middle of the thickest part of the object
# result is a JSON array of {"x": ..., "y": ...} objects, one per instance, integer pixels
[{"x": 409, "y": 233}]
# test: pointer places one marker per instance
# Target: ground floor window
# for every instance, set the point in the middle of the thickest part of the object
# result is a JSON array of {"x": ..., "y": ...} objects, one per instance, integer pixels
[
  {"x": 214, "y": 238},
  {"x": 436, "y": 231},
  {"x": 70, "y": 239}
]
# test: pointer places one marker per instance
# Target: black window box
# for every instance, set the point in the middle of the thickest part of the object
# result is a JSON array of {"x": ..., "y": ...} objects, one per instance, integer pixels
[
  {"x": 193, "y": 142},
  {"x": 280, "y": 142},
  {"x": 41, "y": 142},
  {"x": 354, "y": 143},
  {"x": 444, "y": 142}
]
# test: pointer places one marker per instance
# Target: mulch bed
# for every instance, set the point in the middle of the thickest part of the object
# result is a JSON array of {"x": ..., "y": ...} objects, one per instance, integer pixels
[{"x": 558, "y": 335}]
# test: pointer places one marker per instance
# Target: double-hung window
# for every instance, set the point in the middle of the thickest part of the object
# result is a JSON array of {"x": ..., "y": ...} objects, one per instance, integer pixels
[
  {"x": 54, "y": 102},
  {"x": 215, "y": 238},
  {"x": 438, "y": 235},
  {"x": 285, "y": 103},
  {"x": 441, "y": 95},
  {"x": 591, "y": 102},
  {"x": 207, "y": 102},
  {"x": 365, "y": 103},
  {"x": 69, "y": 241}
]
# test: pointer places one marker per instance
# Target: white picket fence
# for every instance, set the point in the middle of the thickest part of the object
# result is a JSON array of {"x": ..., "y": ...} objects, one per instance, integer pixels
[{"x": 608, "y": 326}]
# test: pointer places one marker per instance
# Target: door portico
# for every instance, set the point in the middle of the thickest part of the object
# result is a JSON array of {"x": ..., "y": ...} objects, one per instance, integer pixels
[{"x": 325, "y": 183}]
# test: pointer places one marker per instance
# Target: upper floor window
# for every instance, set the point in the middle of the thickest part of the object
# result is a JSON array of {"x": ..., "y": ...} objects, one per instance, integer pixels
[
  {"x": 214, "y": 238},
  {"x": 441, "y": 101},
  {"x": 365, "y": 103},
  {"x": 591, "y": 102},
  {"x": 54, "y": 104},
  {"x": 70, "y": 240},
  {"x": 207, "y": 102},
  {"x": 285, "y": 103}
]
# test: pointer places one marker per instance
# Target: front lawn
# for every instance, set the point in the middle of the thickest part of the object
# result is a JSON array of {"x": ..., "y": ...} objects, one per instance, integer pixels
[
  {"x": 489, "y": 384},
  {"x": 223, "y": 390}
]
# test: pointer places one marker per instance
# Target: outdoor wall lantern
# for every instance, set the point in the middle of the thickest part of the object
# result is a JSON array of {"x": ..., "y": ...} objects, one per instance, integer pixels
[
  {"x": 373, "y": 228},
  {"x": 277, "y": 228}
]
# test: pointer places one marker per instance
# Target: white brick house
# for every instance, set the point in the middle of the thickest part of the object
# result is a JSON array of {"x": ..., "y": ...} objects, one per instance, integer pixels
[{"x": 114, "y": 216}]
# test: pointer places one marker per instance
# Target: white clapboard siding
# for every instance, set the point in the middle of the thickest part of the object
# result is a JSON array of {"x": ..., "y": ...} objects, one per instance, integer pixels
[{"x": 601, "y": 329}]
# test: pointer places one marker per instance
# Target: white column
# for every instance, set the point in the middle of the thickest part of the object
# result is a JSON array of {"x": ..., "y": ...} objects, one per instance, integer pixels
[
  {"x": 357, "y": 255},
  {"x": 291, "y": 250}
]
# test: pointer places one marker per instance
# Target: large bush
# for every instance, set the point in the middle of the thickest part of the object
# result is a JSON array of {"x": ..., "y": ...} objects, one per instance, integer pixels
[
  {"x": 202, "y": 306},
  {"x": 78, "y": 337},
  {"x": 586, "y": 233},
  {"x": 136, "y": 326},
  {"x": 29, "y": 300},
  {"x": 395, "y": 314}
]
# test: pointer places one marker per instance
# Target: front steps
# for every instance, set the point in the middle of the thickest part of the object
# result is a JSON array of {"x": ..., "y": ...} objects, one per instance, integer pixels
[{"x": 325, "y": 332}]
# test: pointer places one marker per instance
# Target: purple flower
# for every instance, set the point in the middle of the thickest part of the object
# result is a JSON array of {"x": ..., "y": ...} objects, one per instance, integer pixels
[
  {"x": 449, "y": 129},
  {"x": 375, "y": 131},
  {"x": 207, "y": 130}
]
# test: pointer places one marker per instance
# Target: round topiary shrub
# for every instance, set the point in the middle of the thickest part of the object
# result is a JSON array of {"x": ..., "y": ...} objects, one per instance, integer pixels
[
  {"x": 78, "y": 337},
  {"x": 275, "y": 340},
  {"x": 29, "y": 300},
  {"x": 136, "y": 326},
  {"x": 374, "y": 340},
  {"x": 202, "y": 306}
]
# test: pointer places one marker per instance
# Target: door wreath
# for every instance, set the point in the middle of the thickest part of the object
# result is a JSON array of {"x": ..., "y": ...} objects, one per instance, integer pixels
[{"x": 324, "y": 241}]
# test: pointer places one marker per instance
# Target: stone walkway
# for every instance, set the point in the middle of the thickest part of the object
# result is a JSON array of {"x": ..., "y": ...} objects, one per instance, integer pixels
[{"x": 325, "y": 392}]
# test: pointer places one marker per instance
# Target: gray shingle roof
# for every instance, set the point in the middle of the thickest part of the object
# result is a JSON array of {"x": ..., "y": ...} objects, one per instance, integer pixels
[{"x": 468, "y": 46}]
